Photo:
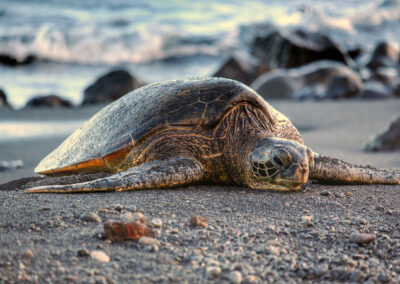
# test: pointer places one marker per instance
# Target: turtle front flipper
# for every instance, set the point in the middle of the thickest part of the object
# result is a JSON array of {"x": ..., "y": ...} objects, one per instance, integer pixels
[
  {"x": 330, "y": 170},
  {"x": 157, "y": 174}
]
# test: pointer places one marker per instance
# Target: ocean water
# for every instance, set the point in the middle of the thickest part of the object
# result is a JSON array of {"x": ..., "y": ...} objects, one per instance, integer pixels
[{"x": 76, "y": 41}]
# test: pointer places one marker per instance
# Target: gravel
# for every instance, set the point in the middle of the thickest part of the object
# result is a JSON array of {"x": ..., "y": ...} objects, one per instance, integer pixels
[{"x": 266, "y": 237}]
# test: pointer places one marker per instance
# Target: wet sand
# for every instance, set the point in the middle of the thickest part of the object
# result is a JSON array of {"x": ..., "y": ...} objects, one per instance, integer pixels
[{"x": 310, "y": 231}]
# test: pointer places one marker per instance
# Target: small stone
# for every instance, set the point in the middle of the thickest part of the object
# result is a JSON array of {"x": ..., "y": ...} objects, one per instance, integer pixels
[
  {"x": 121, "y": 231},
  {"x": 357, "y": 276},
  {"x": 146, "y": 241},
  {"x": 213, "y": 271},
  {"x": 272, "y": 250},
  {"x": 389, "y": 212},
  {"x": 362, "y": 238},
  {"x": 83, "y": 252},
  {"x": 138, "y": 215},
  {"x": 325, "y": 193},
  {"x": 156, "y": 223},
  {"x": 349, "y": 194},
  {"x": 28, "y": 254},
  {"x": 339, "y": 195},
  {"x": 198, "y": 221},
  {"x": 384, "y": 278},
  {"x": 91, "y": 217},
  {"x": 235, "y": 277},
  {"x": 118, "y": 207},
  {"x": 100, "y": 255},
  {"x": 131, "y": 208},
  {"x": 306, "y": 218},
  {"x": 152, "y": 248}
]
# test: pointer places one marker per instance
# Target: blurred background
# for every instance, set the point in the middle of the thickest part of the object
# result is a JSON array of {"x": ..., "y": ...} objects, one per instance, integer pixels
[
  {"x": 61, "y": 47},
  {"x": 62, "y": 60}
]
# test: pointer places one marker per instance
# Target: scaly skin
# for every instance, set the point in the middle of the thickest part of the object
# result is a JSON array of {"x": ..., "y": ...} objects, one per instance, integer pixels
[{"x": 330, "y": 170}]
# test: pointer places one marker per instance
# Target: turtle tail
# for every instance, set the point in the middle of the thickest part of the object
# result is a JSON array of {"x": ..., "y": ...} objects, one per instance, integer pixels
[{"x": 330, "y": 170}]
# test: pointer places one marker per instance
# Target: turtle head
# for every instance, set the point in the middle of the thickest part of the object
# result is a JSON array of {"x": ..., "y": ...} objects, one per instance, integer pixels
[{"x": 278, "y": 164}]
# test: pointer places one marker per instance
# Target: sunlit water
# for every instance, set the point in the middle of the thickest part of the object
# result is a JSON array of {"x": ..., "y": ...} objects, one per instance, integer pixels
[{"x": 12, "y": 130}]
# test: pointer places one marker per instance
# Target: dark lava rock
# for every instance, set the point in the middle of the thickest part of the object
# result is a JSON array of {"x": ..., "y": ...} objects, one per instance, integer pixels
[
  {"x": 388, "y": 140},
  {"x": 396, "y": 88},
  {"x": 48, "y": 101},
  {"x": 355, "y": 52},
  {"x": 235, "y": 69},
  {"x": 277, "y": 84},
  {"x": 110, "y": 87},
  {"x": 342, "y": 87},
  {"x": 387, "y": 75},
  {"x": 317, "y": 80},
  {"x": 374, "y": 90},
  {"x": 12, "y": 61},
  {"x": 3, "y": 100},
  {"x": 293, "y": 48},
  {"x": 10, "y": 165},
  {"x": 385, "y": 54}
]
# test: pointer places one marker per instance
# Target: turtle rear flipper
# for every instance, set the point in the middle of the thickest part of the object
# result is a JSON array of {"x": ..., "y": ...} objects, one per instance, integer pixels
[
  {"x": 330, "y": 170},
  {"x": 156, "y": 174}
]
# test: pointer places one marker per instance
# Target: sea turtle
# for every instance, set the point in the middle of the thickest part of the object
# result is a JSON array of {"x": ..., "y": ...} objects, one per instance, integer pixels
[{"x": 210, "y": 130}]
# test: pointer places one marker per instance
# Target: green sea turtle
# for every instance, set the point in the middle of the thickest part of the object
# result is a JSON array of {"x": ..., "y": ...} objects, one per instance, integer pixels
[{"x": 210, "y": 130}]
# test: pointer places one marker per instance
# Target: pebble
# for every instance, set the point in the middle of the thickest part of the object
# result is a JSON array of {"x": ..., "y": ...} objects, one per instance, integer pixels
[
  {"x": 198, "y": 221},
  {"x": 213, "y": 271},
  {"x": 99, "y": 255},
  {"x": 306, "y": 218},
  {"x": 384, "y": 278},
  {"x": 28, "y": 254},
  {"x": 131, "y": 208},
  {"x": 339, "y": 195},
  {"x": 362, "y": 238},
  {"x": 122, "y": 231},
  {"x": 83, "y": 252},
  {"x": 156, "y": 223},
  {"x": 146, "y": 241},
  {"x": 235, "y": 277},
  {"x": 91, "y": 217},
  {"x": 118, "y": 207},
  {"x": 357, "y": 276},
  {"x": 138, "y": 215},
  {"x": 325, "y": 193}
]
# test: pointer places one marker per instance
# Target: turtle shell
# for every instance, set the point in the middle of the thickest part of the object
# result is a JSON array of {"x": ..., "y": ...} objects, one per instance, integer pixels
[{"x": 115, "y": 130}]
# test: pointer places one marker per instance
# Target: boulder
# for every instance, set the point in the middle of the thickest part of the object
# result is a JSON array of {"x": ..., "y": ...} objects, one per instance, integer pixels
[
  {"x": 396, "y": 88},
  {"x": 375, "y": 90},
  {"x": 3, "y": 100},
  {"x": 9, "y": 60},
  {"x": 235, "y": 69},
  {"x": 385, "y": 75},
  {"x": 385, "y": 54},
  {"x": 342, "y": 87},
  {"x": 388, "y": 139},
  {"x": 48, "y": 101},
  {"x": 318, "y": 80},
  {"x": 293, "y": 48},
  {"x": 110, "y": 87}
]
